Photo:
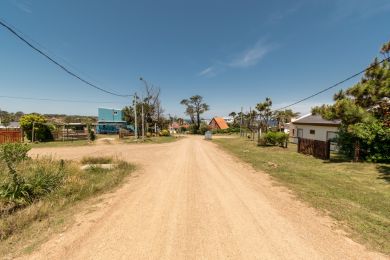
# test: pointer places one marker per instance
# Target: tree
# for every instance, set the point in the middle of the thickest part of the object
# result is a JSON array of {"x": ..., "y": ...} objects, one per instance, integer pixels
[
  {"x": 234, "y": 116},
  {"x": 194, "y": 108},
  {"x": 42, "y": 130},
  {"x": 284, "y": 117},
  {"x": 364, "y": 111},
  {"x": 264, "y": 113}
]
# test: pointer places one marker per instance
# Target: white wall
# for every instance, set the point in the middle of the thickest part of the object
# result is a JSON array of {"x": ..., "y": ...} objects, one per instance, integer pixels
[{"x": 320, "y": 132}]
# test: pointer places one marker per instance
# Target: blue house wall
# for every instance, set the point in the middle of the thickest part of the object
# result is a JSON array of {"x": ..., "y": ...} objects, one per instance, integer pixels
[
  {"x": 110, "y": 121},
  {"x": 110, "y": 115}
]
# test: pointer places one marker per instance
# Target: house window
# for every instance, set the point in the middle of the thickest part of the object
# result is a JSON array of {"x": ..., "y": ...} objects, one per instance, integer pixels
[
  {"x": 312, "y": 132},
  {"x": 331, "y": 135},
  {"x": 300, "y": 132},
  {"x": 115, "y": 112}
]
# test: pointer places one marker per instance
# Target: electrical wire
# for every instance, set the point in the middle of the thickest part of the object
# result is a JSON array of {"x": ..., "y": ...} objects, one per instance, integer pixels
[
  {"x": 58, "y": 100},
  {"x": 335, "y": 85},
  {"x": 57, "y": 63}
]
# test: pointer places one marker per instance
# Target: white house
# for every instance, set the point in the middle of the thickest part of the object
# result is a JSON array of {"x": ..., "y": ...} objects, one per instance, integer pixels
[{"x": 313, "y": 127}]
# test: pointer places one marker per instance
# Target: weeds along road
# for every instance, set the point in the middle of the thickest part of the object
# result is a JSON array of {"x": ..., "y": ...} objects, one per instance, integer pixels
[{"x": 193, "y": 201}]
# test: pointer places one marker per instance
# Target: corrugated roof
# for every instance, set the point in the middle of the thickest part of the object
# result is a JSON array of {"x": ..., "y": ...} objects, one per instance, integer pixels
[
  {"x": 221, "y": 122},
  {"x": 315, "y": 120}
]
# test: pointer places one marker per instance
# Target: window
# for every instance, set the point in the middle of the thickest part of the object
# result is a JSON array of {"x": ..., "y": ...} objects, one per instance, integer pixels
[
  {"x": 115, "y": 112},
  {"x": 312, "y": 132},
  {"x": 300, "y": 132},
  {"x": 331, "y": 135}
]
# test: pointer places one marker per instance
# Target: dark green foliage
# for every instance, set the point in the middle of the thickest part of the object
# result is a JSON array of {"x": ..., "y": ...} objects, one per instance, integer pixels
[
  {"x": 364, "y": 110},
  {"x": 274, "y": 138},
  {"x": 229, "y": 130},
  {"x": 91, "y": 134}
]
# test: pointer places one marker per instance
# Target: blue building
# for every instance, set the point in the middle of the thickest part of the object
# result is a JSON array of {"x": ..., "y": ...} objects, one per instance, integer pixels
[{"x": 110, "y": 121}]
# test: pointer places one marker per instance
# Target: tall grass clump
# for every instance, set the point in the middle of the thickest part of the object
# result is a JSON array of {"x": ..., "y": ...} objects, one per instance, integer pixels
[
  {"x": 96, "y": 160},
  {"x": 21, "y": 181},
  {"x": 36, "y": 193}
]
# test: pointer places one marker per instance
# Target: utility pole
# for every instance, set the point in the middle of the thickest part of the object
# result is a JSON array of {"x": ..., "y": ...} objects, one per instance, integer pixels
[
  {"x": 241, "y": 124},
  {"x": 142, "y": 109},
  {"x": 143, "y": 119},
  {"x": 135, "y": 117}
]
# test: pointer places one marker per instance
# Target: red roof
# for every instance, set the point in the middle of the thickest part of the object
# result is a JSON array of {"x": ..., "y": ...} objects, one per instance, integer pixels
[{"x": 220, "y": 122}]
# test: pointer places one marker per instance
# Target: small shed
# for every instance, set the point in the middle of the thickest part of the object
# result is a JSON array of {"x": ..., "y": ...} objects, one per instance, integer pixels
[{"x": 218, "y": 123}]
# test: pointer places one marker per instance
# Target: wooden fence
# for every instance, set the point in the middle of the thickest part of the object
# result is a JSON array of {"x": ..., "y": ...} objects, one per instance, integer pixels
[
  {"x": 11, "y": 135},
  {"x": 319, "y": 149}
]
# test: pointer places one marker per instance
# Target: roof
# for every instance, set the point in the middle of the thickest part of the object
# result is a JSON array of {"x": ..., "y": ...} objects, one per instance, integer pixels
[
  {"x": 220, "y": 122},
  {"x": 315, "y": 120}
]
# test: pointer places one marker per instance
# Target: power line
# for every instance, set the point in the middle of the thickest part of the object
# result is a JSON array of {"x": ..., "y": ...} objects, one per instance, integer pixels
[
  {"x": 57, "y": 63},
  {"x": 58, "y": 100},
  {"x": 335, "y": 85}
]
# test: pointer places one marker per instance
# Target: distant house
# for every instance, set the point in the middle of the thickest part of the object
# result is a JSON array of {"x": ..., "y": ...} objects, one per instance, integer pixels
[
  {"x": 218, "y": 123},
  {"x": 314, "y": 127},
  {"x": 109, "y": 121}
]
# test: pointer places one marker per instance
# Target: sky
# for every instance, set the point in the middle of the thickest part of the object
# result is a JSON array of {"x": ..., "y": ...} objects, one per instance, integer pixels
[{"x": 233, "y": 53}]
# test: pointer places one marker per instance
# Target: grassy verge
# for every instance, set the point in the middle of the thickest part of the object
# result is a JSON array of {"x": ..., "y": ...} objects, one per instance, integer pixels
[
  {"x": 57, "y": 188},
  {"x": 61, "y": 143},
  {"x": 355, "y": 194}
]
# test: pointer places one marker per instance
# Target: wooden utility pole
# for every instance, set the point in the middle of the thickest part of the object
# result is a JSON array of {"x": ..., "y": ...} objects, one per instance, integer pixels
[{"x": 135, "y": 116}]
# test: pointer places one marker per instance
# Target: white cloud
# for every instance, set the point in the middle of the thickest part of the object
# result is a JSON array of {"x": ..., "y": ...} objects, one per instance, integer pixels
[
  {"x": 208, "y": 72},
  {"x": 251, "y": 56}
]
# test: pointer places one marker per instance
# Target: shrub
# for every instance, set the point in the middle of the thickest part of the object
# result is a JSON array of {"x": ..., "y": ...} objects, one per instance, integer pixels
[
  {"x": 148, "y": 134},
  {"x": 91, "y": 134},
  {"x": 32, "y": 181},
  {"x": 204, "y": 128},
  {"x": 42, "y": 131},
  {"x": 165, "y": 132},
  {"x": 274, "y": 138},
  {"x": 193, "y": 129}
]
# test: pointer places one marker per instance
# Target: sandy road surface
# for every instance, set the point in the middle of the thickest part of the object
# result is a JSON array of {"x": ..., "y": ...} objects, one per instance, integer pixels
[{"x": 193, "y": 201}]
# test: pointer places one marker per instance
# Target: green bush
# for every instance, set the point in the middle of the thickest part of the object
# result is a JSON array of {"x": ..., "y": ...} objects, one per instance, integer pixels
[
  {"x": 42, "y": 130},
  {"x": 203, "y": 129},
  {"x": 91, "y": 134},
  {"x": 274, "y": 138},
  {"x": 192, "y": 129},
  {"x": 165, "y": 132},
  {"x": 26, "y": 180}
]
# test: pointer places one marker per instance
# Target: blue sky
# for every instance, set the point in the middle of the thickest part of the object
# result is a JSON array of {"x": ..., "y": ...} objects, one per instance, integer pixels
[{"x": 233, "y": 53}]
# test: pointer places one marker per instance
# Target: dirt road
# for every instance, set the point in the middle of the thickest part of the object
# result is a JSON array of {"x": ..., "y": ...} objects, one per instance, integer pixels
[{"x": 193, "y": 201}]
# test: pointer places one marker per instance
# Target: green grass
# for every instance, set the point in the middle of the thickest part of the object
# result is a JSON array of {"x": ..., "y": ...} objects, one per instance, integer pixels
[
  {"x": 355, "y": 194},
  {"x": 27, "y": 225},
  {"x": 60, "y": 144}
]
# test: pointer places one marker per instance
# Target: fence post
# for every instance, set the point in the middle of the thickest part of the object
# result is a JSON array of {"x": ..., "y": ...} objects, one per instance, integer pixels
[
  {"x": 328, "y": 150},
  {"x": 299, "y": 144}
]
